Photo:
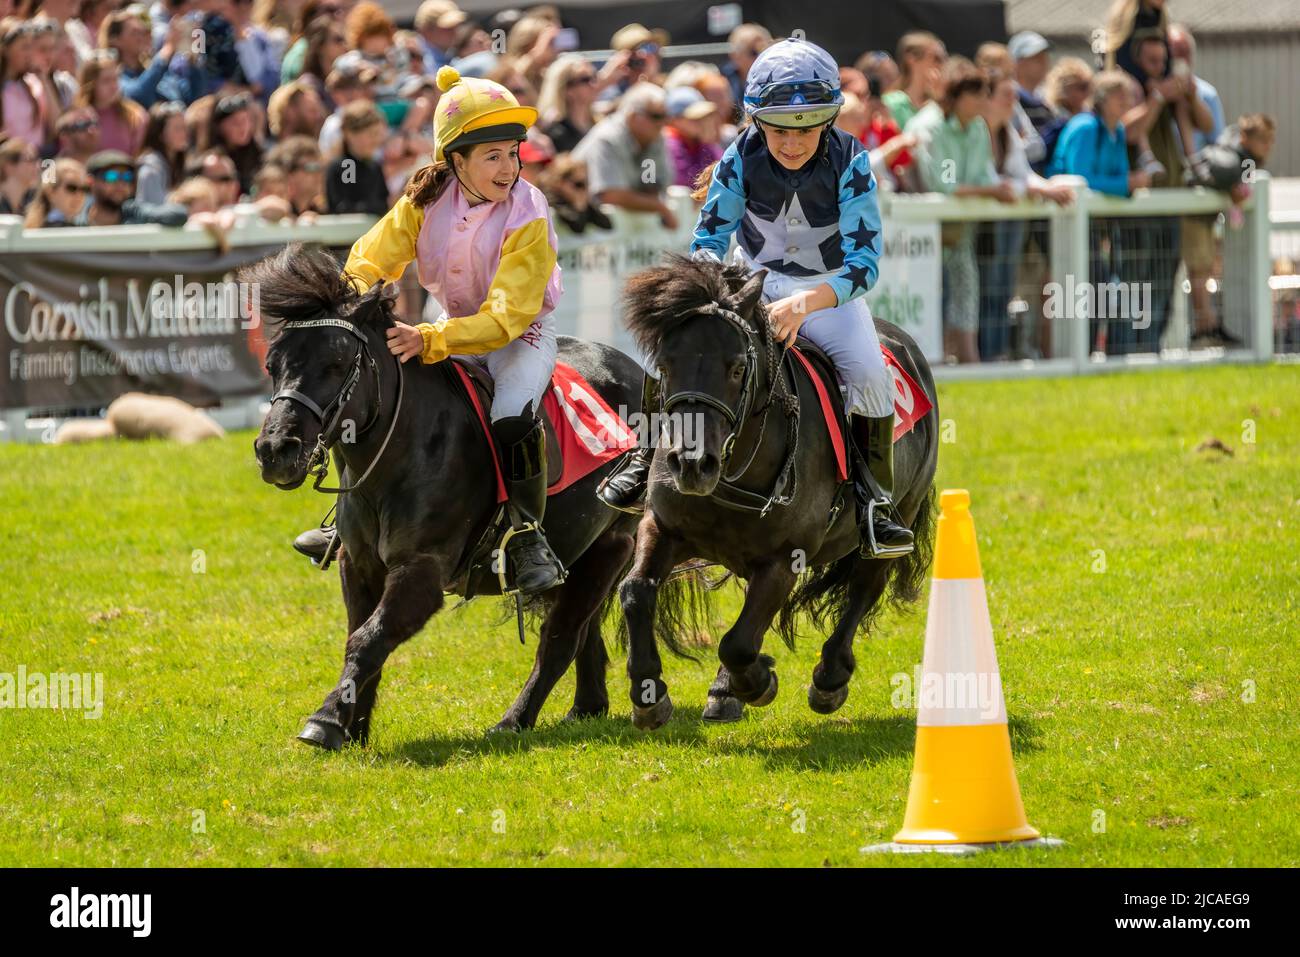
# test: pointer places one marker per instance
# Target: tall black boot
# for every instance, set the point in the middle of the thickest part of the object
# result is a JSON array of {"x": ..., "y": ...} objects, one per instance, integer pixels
[
  {"x": 522, "y": 440},
  {"x": 882, "y": 535},
  {"x": 625, "y": 487}
]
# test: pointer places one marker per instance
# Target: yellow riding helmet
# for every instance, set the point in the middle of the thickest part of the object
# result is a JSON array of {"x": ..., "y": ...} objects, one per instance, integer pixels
[{"x": 473, "y": 110}]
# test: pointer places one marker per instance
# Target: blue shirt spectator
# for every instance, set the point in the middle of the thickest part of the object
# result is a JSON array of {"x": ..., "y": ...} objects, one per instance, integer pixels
[{"x": 1087, "y": 148}]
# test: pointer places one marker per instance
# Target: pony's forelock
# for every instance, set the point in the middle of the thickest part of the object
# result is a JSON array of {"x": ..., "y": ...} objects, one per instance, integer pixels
[
  {"x": 656, "y": 300},
  {"x": 302, "y": 283}
]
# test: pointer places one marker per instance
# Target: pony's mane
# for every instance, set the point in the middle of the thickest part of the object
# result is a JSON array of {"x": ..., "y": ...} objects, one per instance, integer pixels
[
  {"x": 304, "y": 283},
  {"x": 657, "y": 299}
]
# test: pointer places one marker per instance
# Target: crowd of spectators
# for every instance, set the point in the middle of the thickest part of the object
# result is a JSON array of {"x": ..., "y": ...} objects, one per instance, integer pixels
[{"x": 224, "y": 112}]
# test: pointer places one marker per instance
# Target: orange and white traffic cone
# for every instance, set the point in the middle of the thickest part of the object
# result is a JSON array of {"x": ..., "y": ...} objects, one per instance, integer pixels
[{"x": 964, "y": 796}]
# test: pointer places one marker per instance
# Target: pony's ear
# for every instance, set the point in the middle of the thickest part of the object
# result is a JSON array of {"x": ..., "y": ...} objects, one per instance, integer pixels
[{"x": 743, "y": 300}]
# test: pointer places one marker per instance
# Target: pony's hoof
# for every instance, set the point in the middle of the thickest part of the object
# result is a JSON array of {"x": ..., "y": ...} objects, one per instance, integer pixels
[
  {"x": 827, "y": 702},
  {"x": 505, "y": 726},
  {"x": 723, "y": 709},
  {"x": 584, "y": 714},
  {"x": 655, "y": 716},
  {"x": 768, "y": 696},
  {"x": 327, "y": 737}
]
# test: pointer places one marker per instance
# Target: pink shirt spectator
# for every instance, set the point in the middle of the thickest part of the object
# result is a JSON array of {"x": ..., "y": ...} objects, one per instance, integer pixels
[
  {"x": 459, "y": 246},
  {"x": 115, "y": 134},
  {"x": 24, "y": 120},
  {"x": 689, "y": 157}
]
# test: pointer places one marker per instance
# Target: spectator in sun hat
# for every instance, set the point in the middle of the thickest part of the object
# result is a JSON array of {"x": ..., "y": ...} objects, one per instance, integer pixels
[
  {"x": 691, "y": 134},
  {"x": 437, "y": 22},
  {"x": 627, "y": 159},
  {"x": 636, "y": 58},
  {"x": 113, "y": 201}
]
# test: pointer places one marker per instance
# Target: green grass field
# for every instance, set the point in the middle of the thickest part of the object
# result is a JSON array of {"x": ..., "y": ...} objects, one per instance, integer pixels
[{"x": 1152, "y": 703}]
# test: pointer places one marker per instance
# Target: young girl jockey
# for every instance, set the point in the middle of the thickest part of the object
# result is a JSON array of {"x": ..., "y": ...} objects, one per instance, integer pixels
[
  {"x": 484, "y": 248},
  {"x": 802, "y": 196}
]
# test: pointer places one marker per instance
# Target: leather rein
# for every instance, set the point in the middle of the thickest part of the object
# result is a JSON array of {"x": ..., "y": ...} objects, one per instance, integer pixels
[
  {"x": 332, "y": 413},
  {"x": 727, "y": 492}
]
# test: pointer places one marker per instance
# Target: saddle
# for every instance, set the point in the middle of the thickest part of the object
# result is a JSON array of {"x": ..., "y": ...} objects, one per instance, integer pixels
[
  {"x": 817, "y": 365},
  {"x": 583, "y": 434}
]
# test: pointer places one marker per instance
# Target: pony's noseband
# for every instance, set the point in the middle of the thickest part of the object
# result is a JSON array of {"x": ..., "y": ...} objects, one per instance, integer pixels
[
  {"x": 331, "y": 414},
  {"x": 735, "y": 417}
]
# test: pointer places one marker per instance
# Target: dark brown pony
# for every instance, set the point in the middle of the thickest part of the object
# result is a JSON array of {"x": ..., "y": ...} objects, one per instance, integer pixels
[
  {"x": 428, "y": 495},
  {"x": 753, "y": 487}
]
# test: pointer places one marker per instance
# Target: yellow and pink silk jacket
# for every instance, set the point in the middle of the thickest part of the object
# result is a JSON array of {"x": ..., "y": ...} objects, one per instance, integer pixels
[{"x": 492, "y": 267}]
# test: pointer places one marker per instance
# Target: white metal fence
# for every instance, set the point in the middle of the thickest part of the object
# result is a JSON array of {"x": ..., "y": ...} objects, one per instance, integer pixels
[{"x": 910, "y": 290}]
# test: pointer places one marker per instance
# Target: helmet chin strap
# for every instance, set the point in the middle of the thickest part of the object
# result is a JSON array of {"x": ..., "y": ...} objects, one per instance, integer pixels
[
  {"x": 465, "y": 186},
  {"x": 471, "y": 190}
]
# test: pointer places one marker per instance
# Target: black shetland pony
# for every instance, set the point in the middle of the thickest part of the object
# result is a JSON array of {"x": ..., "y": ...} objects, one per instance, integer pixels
[
  {"x": 753, "y": 487},
  {"x": 426, "y": 492}
]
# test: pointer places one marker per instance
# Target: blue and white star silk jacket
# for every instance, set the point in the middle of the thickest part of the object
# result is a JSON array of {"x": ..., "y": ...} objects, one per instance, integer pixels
[{"x": 821, "y": 220}]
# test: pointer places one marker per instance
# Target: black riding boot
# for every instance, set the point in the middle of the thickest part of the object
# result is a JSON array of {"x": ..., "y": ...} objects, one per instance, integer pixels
[
  {"x": 882, "y": 536},
  {"x": 522, "y": 440},
  {"x": 624, "y": 488},
  {"x": 318, "y": 544}
]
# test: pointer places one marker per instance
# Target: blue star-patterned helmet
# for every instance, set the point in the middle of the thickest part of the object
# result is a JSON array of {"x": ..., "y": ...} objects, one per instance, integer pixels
[{"x": 794, "y": 84}]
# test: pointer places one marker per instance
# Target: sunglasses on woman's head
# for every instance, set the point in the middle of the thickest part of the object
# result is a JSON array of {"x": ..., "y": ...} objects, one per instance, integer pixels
[{"x": 229, "y": 105}]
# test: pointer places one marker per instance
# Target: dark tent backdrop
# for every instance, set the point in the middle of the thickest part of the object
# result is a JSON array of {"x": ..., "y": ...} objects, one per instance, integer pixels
[{"x": 845, "y": 29}]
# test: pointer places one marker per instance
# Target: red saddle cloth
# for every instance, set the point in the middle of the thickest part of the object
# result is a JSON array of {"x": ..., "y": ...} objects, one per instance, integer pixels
[
  {"x": 910, "y": 404},
  {"x": 588, "y": 432}
]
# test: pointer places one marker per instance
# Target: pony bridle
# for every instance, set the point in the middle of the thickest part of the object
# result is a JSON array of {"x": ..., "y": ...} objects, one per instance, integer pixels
[
  {"x": 737, "y": 417},
  {"x": 332, "y": 413}
]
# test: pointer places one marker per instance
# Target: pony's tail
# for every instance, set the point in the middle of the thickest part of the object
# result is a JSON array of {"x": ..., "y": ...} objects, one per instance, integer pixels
[
  {"x": 684, "y": 609},
  {"x": 823, "y": 594}
]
